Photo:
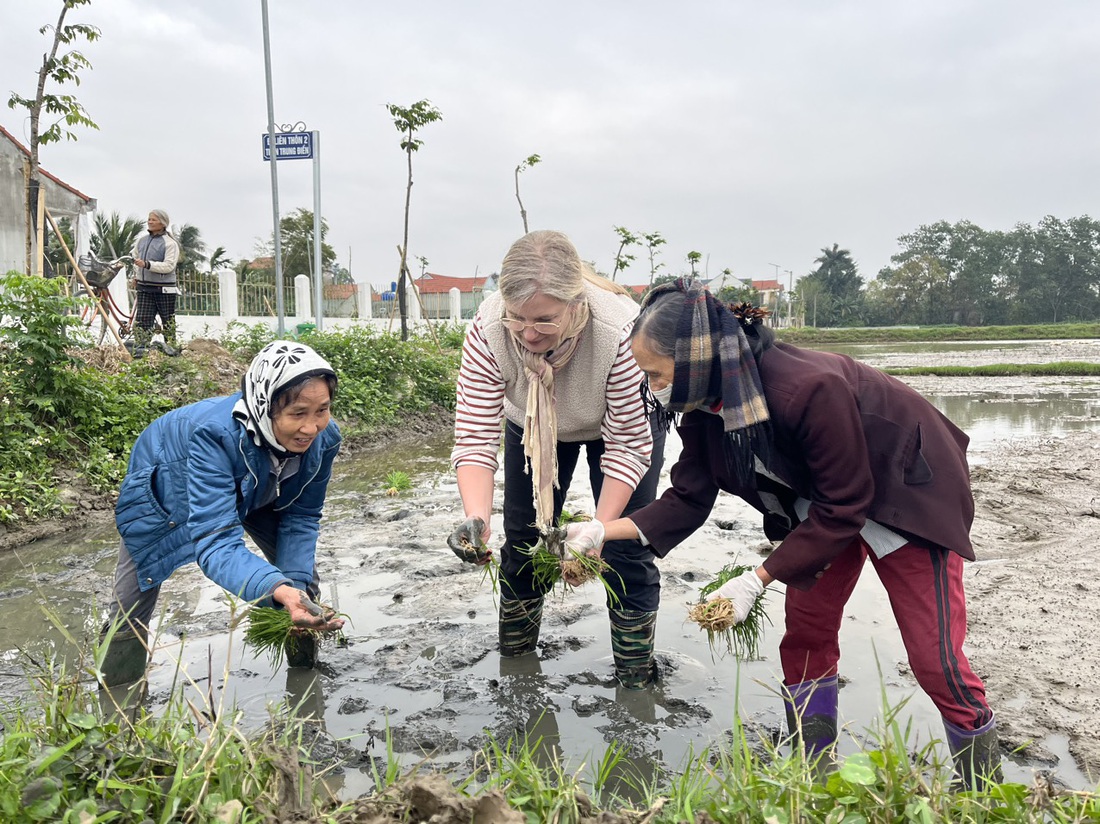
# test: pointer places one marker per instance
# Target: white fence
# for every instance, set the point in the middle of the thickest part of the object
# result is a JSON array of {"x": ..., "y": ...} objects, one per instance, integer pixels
[{"x": 192, "y": 326}]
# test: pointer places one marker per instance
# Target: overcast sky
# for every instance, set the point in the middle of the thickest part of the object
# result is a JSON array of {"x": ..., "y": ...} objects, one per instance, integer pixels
[{"x": 753, "y": 133}]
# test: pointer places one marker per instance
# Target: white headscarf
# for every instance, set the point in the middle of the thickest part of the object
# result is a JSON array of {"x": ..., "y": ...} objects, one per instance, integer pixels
[{"x": 276, "y": 367}]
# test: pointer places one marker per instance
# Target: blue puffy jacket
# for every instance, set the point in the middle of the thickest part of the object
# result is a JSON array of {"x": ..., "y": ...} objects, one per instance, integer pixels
[{"x": 194, "y": 476}]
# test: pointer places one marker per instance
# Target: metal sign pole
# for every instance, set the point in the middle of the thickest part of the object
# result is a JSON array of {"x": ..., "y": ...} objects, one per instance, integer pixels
[
  {"x": 279, "y": 308},
  {"x": 317, "y": 240}
]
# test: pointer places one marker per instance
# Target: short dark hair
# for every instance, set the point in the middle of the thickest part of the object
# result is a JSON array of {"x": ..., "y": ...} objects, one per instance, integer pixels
[{"x": 286, "y": 395}]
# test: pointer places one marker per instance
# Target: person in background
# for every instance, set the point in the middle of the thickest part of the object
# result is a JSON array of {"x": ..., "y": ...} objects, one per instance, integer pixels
[
  {"x": 156, "y": 256},
  {"x": 549, "y": 353},
  {"x": 845, "y": 463},
  {"x": 201, "y": 477}
]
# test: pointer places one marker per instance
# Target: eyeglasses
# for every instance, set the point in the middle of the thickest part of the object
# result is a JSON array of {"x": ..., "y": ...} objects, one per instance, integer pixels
[{"x": 543, "y": 327}]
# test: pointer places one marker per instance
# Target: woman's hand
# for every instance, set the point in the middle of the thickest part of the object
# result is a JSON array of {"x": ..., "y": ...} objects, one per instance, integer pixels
[
  {"x": 742, "y": 591},
  {"x": 584, "y": 538},
  {"x": 303, "y": 611}
]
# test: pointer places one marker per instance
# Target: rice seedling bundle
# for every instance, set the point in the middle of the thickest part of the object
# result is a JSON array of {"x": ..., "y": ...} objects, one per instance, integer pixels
[
  {"x": 574, "y": 570},
  {"x": 270, "y": 631},
  {"x": 716, "y": 618}
]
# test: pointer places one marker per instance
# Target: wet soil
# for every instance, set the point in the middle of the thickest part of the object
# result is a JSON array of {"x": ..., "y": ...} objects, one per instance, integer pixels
[{"x": 421, "y": 666}]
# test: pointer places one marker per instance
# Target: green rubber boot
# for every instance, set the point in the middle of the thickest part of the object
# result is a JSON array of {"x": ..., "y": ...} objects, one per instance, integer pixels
[
  {"x": 519, "y": 623},
  {"x": 126, "y": 658},
  {"x": 632, "y": 647}
]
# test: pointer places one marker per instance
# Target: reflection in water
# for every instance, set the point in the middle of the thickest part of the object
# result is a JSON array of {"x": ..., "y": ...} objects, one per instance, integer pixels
[{"x": 988, "y": 416}]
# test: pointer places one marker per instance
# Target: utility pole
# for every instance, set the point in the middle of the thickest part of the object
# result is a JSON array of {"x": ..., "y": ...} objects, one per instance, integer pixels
[
  {"x": 776, "y": 265},
  {"x": 790, "y": 298},
  {"x": 279, "y": 310}
]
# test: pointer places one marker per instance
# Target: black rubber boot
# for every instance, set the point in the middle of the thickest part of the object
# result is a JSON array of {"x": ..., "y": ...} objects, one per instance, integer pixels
[
  {"x": 126, "y": 658},
  {"x": 171, "y": 346},
  {"x": 301, "y": 650},
  {"x": 976, "y": 753},
  {"x": 632, "y": 647},
  {"x": 519, "y": 624},
  {"x": 142, "y": 338}
]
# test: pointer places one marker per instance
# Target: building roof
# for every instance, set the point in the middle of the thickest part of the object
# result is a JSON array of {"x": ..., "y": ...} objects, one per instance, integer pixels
[
  {"x": 430, "y": 284},
  {"x": 87, "y": 199},
  {"x": 767, "y": 286}
]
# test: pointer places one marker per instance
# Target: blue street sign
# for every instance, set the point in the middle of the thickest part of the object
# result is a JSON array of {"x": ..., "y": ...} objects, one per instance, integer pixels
[{"x": 290, "y": 146}]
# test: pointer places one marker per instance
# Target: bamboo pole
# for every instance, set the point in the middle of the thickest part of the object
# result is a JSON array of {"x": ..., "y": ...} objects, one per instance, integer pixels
[
  {"x": 420, "y": 300},
  {"x": 40, "y": 236},
  {"x": 108, "y": 321}
]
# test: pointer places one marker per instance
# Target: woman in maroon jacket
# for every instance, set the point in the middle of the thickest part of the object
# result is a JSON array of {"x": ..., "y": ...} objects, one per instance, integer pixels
[{"x": 845, "y": 463}]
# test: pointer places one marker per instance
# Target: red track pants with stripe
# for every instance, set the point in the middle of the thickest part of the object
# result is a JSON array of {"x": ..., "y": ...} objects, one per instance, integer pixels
[{"x": 926, "y": 594}]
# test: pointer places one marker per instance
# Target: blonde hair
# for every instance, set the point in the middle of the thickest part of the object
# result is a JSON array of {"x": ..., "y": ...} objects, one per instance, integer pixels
[{"x": 546, "y": 262}]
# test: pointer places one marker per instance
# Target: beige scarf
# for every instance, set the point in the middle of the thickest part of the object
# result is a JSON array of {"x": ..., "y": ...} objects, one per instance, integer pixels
[{"x": 540, "y": 425}]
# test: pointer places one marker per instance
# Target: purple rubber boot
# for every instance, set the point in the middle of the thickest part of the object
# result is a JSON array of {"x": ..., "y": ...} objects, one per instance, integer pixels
[
  {"x": 811, "y": 716},
  {"x": 976, "y": 754}
]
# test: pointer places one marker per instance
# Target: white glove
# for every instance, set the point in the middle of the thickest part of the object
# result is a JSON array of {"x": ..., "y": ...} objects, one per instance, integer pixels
[
  {"x": 584, "y": 537},
  {"x": 742, "y": 591}
]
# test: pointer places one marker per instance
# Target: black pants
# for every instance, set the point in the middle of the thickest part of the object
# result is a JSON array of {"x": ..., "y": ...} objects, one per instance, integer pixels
[{"x": 636, "y": 581}]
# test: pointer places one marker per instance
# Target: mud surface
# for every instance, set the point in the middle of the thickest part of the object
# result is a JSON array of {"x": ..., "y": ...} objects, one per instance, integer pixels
[{"x": 421, "y": 667}]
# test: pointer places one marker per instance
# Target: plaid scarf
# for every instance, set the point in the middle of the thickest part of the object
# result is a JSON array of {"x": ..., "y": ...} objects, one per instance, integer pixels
[{"x": 714, "y": 369}]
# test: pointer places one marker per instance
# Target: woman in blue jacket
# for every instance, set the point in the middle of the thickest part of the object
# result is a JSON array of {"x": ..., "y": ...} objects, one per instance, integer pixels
[{"x": 204, "y": 475}]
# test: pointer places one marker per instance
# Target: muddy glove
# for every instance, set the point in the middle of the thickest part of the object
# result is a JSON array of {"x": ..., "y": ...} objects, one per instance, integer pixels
[
  {"x": 742, "y": 591},
  {"x": 584, "y": 538},
  {"x": 466, "y": 543}
]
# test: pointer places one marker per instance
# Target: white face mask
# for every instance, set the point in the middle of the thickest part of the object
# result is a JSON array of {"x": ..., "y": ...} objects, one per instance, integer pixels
[{"x": 662, "y": 396}]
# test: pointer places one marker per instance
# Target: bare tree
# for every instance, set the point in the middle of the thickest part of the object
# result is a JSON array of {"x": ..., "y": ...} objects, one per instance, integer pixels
[
  {"x": 61, "y": 68},
  {"x": 526, "y": 164}
]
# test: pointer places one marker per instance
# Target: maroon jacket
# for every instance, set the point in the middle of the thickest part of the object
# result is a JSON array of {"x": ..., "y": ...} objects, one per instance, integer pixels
[{"x": 853, "y": 441}]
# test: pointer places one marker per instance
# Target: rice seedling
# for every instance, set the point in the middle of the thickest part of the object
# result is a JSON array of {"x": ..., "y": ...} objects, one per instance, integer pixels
[
  {"x": 568, "y": 517},
  {"x": 271, "y": 632},
  {"x": 548, "y": 568},
  {"x": 397, "y": 482},
  {"x": 741, "y": 640}
]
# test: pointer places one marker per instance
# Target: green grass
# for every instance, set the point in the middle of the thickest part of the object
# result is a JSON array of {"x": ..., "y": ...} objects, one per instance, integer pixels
[
  {"x": 890, "y": 334},
  {"x": 397, "y": 482},
  {"x": 66, "y": 756},
  {"x": 1005, "y": 370}
]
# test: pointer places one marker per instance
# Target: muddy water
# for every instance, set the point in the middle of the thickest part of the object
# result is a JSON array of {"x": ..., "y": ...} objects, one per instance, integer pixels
[{"x": 421, "y": 664}]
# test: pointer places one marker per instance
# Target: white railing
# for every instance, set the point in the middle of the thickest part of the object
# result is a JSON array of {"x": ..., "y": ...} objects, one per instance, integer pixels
[{"x": 192, "y": 326}]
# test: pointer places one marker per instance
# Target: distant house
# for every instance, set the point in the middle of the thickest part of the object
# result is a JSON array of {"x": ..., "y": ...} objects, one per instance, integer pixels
[
  {"x": 435, "y": 293},
  {"x": 62, "y": 200},
  {"x": 769, "y": 292}
]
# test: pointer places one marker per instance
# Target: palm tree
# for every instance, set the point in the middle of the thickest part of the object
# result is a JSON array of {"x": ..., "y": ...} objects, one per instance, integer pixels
[
  {"x": 192, "y": 249},
  {"x": 219, "y": 259},
  {"x": 113, "y": 236}
]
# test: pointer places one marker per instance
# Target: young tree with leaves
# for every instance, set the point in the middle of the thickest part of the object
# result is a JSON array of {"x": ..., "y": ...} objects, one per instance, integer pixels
[
  {"x": 652, "y": 241},
  {"x": 408, "y": 122},
  {"x": 526, "y": 164},
  {"x": 693, "y": 259},
  {"x": 60, "y": 67},
  {"x": 626, "y": 240}
]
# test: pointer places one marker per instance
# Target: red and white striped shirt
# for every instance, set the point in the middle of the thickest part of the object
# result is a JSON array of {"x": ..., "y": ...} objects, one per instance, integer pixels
[{"x": 625, "y": 429}]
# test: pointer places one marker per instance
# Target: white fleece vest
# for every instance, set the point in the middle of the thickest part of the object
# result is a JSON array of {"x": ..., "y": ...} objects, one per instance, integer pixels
[{"x": 580, "y": 388}]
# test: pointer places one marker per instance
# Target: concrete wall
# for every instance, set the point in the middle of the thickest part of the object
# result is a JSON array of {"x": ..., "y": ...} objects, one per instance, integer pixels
[{"x": 60, "y": 201}]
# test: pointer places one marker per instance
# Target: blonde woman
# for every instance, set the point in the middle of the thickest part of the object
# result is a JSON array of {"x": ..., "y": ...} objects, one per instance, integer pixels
[{"x": 549, "y": 354}]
